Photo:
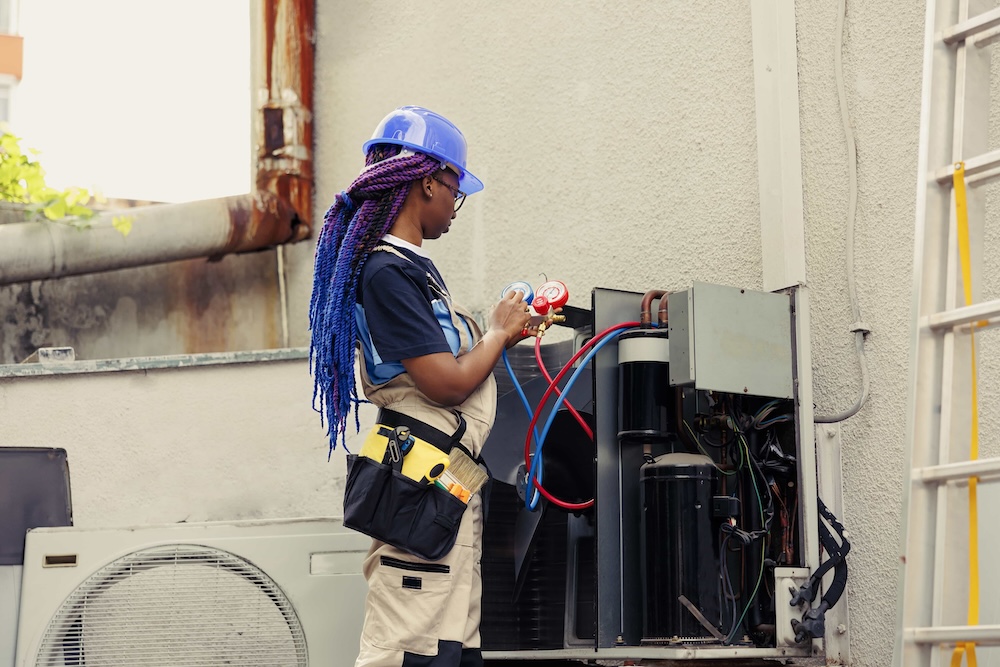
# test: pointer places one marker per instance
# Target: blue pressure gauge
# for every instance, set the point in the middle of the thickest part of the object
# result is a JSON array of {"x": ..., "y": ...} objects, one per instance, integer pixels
[{"x": 519, "y": 285}]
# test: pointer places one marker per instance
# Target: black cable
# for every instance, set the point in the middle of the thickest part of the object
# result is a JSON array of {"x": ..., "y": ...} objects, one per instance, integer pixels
[
  {"x": 813, "y": 624},
  {"x": 728, "y": 592}
]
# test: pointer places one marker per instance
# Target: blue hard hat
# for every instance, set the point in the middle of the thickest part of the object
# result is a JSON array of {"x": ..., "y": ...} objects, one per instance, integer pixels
[{"x": 422, "y": 130}]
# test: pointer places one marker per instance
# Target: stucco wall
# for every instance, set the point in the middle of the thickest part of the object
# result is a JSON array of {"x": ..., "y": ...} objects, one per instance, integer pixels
[
  {"x": 616, "y": 141},
  {"x": 882, "y": 74},
  {"x": 151, "y": 445}
]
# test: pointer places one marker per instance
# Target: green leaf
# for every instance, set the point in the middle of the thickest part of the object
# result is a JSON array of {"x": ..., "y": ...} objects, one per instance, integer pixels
[
  {"x": 56, "y": 210},
  {"x": 80, "y": 212},
  {"x": 123, "y": 223}
]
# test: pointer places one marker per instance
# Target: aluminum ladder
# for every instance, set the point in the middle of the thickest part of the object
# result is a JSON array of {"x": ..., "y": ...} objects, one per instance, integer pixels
[{"x": 936, "y": 578}]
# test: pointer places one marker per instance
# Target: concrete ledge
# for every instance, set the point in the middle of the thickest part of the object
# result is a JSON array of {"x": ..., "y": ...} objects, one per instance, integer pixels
[{"x": 147, "y": 363}]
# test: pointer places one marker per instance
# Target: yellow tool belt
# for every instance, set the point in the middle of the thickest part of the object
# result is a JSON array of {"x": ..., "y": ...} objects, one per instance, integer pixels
[
  {"x": 424, "y": 454},
  {"x": 418, "y": 459}
]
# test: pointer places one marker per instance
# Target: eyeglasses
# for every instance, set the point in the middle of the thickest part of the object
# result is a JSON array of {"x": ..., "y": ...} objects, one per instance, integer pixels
[{"x": 458, "y": 194}]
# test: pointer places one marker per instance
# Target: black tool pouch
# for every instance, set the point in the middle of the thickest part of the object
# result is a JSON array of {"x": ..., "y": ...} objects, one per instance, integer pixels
[
  {"x": 379, "y": 501},
  {"x": 421, "y": 519}
]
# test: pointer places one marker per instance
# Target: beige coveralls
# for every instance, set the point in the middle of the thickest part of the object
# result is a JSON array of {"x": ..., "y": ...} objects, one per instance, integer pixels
[{"x": 428, "y": 623}]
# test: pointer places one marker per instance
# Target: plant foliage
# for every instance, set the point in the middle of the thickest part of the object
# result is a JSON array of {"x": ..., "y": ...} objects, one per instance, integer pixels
[{"x": 22, "y": 181}]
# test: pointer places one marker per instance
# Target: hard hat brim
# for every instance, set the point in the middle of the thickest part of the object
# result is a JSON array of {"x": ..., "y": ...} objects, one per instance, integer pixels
[{"x": 467, "y": 182}]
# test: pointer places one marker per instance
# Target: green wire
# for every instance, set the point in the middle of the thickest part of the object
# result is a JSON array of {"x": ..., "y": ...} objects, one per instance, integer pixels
[
  {"x": 760, "y": 577},
  {"x": 763, "y": 547},
  {"x": 702, "y": 450}
]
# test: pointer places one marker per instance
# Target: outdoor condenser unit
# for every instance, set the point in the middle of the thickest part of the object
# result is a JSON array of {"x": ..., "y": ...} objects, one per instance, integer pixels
[
  {"x": 696, "y": 455},
  {"x": 269, "y": 592}
]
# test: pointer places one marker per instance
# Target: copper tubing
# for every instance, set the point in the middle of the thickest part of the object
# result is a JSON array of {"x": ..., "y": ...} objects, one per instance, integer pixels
[
  {"x": 661, "y": 314},
  {"x": 679, "y": 413},
  {"x": 645, "y": 308}
]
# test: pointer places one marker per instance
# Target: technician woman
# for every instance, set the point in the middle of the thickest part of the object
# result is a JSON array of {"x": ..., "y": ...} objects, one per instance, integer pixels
[{"x": 421, "y": 357}]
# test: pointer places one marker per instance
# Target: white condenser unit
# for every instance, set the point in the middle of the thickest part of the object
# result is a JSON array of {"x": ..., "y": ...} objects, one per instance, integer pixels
[{"x": 270, "y": 592}]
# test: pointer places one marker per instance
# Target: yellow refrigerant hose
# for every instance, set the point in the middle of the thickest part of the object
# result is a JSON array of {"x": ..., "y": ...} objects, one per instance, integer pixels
[{"x": 962, "y": 217}]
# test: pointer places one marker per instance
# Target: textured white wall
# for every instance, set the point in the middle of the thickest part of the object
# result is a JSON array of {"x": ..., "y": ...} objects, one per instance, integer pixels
[
  {"x": 616, "y": 140},
  {"x": 204, "y": 443},
  {"x": 882, "y": 73}
]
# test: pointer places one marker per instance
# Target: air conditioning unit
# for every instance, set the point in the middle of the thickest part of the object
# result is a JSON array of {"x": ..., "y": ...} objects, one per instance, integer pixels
[{"x": 275, "y": 592}]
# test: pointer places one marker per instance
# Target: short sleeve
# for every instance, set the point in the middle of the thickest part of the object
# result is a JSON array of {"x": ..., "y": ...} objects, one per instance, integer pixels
[{"x": 397, "y": 307}]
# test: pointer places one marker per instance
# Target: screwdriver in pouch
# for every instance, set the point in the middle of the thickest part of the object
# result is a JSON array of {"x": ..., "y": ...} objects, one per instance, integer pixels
[{"x": 394, "y": 453}]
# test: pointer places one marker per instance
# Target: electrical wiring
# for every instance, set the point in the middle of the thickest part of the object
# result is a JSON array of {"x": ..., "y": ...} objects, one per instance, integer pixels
[
  {"x": 599, "y": 340},
  {"x": 754, "y": 467},
  {"x": 697, "y": 441},
  {"x": 708, "y": 441},
  {"x": 765, "y": 410},
  {"x": 859, "y": 328},
  {"x": 763, "y": 545},
  {"x": 728, "y": 592},
  {"x": 763, "y": 418},
  {"x": 760, "y": 577},
  {"x": 766, "y": 516},
  {"x": 781, "y": 419}
]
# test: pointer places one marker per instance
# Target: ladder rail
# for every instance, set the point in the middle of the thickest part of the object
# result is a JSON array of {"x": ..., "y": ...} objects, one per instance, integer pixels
[{"x": 916, "y": 500}]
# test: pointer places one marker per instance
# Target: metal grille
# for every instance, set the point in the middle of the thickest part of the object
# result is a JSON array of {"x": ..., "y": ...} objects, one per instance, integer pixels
[{"x": 175, "y": 605}]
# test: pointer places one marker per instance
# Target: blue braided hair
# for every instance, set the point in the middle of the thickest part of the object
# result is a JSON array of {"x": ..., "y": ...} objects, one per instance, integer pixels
[{"x": 358, "y": 219}]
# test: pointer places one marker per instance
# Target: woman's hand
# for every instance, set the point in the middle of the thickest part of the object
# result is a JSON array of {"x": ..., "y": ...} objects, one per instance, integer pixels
[
  {"x": 510, "y": 317},
  {"x": 531, "y": 330}
]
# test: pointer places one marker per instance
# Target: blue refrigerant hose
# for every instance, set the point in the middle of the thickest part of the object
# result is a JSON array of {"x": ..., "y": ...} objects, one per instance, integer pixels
[{"x": 539, "y": 441}]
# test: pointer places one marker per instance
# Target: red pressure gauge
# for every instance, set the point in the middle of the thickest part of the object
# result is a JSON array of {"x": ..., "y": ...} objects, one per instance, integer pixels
[{"x": 552, "y": 294}]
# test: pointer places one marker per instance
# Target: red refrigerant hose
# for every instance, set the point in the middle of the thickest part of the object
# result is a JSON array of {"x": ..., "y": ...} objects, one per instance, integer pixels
[{"x": 538, "y": 412}]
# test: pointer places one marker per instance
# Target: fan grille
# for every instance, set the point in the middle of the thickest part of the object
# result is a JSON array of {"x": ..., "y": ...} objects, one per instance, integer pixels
[{"x": 177, "y": 605}]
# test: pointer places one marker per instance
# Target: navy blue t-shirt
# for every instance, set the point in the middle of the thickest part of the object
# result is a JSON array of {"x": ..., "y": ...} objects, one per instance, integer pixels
[{"x": 399, "y": 314}]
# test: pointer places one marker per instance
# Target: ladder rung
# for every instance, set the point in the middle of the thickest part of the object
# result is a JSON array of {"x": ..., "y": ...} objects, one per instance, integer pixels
[
  {"x": 977, "y": 312},
  {"x": 960, "y": 470},
  {"x": 950, "y": 634},
  {"x": 979, "y": 165},
  {"x": 973, "y": 26}
]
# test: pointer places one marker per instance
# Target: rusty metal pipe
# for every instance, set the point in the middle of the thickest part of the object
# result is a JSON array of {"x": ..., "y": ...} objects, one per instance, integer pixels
[
  {"x": 160, "y": 233},
  {"x": 283, "y": 123}
]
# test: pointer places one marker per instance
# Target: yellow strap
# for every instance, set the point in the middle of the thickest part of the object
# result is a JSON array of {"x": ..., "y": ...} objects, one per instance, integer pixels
[
  {"x": 956, "y": 657},
  {"x": 964, "y": 251}
]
